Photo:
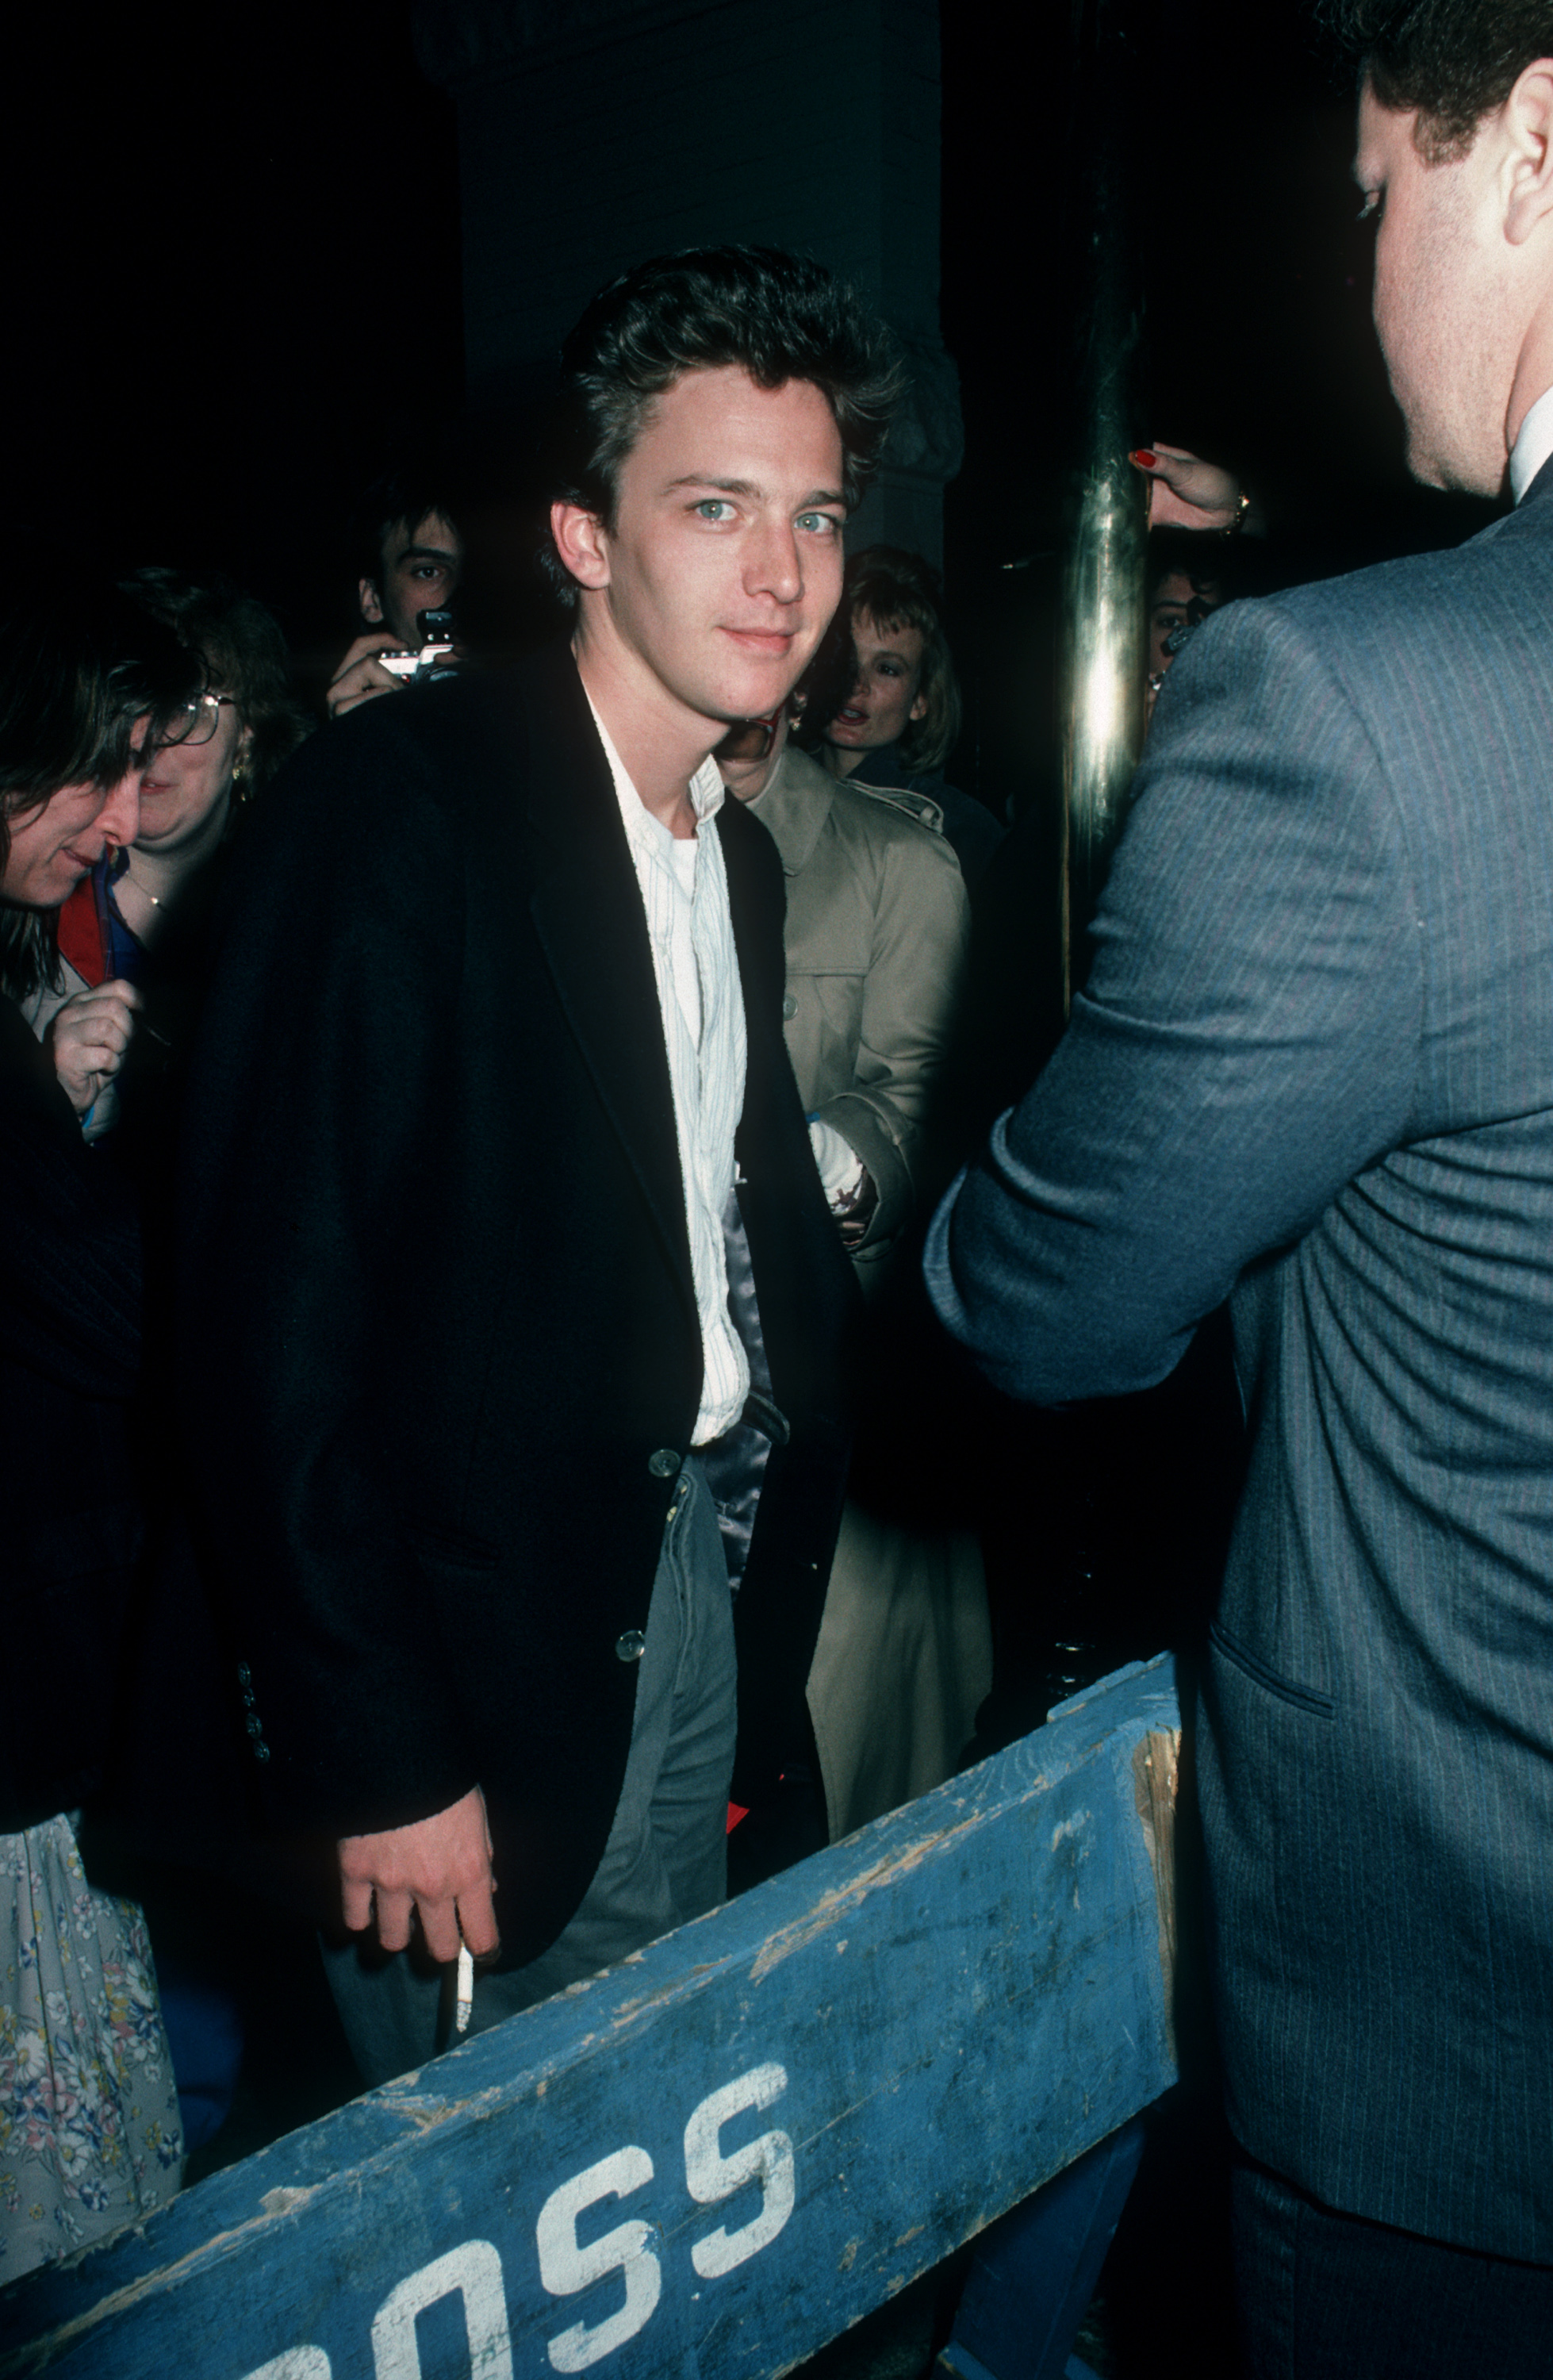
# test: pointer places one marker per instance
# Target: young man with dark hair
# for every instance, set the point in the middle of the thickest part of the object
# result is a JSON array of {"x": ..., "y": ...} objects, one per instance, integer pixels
[
  {"x": 1312, "y": 1070},
  {"x": 514, "y": 1310},
  {"x": 410, "y": 556}
]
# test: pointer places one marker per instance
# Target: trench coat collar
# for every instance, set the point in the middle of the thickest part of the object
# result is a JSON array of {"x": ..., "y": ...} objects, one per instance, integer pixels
[{"x": 794, "y": 806}]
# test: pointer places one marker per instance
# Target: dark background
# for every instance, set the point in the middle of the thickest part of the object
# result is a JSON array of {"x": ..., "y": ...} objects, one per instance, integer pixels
[{"x": 234, "y": 280}]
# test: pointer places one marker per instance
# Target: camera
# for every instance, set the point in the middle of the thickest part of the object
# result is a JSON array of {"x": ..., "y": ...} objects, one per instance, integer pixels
[{"x": 434, "y": 658}]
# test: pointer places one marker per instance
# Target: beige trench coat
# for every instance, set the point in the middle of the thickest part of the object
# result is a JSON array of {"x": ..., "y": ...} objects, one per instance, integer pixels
[{"x": 877, "y": 927}]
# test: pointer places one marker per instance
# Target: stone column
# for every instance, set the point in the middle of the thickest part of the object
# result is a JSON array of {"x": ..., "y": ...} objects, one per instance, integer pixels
[{"x": 595, "y": 132}]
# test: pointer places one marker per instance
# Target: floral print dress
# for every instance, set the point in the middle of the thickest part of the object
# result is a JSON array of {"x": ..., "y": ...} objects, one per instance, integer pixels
[{"x": 89, "y": 2138}]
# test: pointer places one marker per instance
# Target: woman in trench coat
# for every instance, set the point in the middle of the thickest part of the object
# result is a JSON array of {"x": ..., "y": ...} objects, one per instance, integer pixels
[{"x": 876, "y": 936}]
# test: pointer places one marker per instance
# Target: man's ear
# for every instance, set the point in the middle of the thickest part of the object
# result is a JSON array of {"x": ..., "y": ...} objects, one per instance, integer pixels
[
  {"x": 371, "y": 602},
  {"x": 581, "y": 543},
  {"x": 1527, "y": 119}
]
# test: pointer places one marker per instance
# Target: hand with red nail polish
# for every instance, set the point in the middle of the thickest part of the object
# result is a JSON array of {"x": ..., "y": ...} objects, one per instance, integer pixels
[{"x": 1185, "y": 492}]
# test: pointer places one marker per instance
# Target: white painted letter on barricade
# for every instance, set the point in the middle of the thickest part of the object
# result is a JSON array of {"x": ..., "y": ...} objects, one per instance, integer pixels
[
  {"x": 711, "y": 2176},
  {"x": 474, "y": 2270},
  {"x": 297, "y": 2363},
  {"x": 564, "y": 2267}
]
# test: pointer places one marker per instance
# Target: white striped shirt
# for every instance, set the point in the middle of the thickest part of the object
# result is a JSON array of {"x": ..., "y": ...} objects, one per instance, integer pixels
[{"x": 684, "y": 895}]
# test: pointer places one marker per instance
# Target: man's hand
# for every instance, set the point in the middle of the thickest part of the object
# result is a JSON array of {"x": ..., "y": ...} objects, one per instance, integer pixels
[
  {"x": 1185, "y": 492},
  {"x": 88, "y": 1037},
  {"x": 440, "y": 1867},
  {"x": 361, "y": 675}
]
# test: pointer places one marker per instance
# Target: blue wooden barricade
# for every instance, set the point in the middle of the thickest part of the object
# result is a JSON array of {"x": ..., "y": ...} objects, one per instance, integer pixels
[{"x": 708, "y": 2162}]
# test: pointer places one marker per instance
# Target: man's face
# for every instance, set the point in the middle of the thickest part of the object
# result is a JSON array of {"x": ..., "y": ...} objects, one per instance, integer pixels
[
  {"x": 724, "y": 560},
  {"x": 420, "y": 565},
  {"x": 1439, "y": 293},
  {"x": 54, "y": 846},
  {"x": 886, "y": 693}
]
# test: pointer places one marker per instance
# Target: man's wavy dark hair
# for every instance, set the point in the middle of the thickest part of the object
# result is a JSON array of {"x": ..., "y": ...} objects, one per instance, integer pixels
[
  {"x": 779, "y": 317},
  {"x": 1455, "y": 61}
]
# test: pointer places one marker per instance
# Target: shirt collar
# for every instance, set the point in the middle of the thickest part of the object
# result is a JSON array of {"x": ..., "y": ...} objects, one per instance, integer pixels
[
  {"x": 705, "y": 789},
  {"x": 1534, "y": 444}
]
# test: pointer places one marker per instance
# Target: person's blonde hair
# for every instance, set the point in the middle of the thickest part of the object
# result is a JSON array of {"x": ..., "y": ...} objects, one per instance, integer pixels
[{"x": 900, "y": 589}]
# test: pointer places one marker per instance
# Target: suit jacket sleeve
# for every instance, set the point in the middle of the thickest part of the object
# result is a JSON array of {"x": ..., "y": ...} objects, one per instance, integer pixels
[
  {"x": 1246, "y": 1043},
  {"x": 312, "y": 1126}
]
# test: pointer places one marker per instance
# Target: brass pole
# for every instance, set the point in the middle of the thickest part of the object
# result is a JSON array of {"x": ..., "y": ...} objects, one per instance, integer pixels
[{"x": 1104, "y": 626}]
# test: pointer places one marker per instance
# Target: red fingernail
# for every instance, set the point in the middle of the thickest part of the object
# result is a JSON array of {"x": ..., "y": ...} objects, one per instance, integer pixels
[{"x": 1145, "y": 457}]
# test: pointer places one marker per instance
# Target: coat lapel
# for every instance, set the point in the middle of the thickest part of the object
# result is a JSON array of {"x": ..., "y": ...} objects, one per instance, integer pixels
[{"x": 587, "y": 914}]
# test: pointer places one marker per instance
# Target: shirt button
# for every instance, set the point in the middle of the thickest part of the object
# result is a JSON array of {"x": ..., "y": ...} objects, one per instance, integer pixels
[
  {"x": 665, "y": 1464},
  {"x": 254, "y": 1725},
  {"x": 631, "y": 1646},
  {"x": 245, "y": 1675},
  {"x": 790, "y": 1006}
]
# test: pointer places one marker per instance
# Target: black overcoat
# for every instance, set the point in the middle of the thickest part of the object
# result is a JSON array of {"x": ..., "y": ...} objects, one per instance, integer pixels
[
  {"x": 70, "y": 1522},
  {"x": 439, "y": 1346}
]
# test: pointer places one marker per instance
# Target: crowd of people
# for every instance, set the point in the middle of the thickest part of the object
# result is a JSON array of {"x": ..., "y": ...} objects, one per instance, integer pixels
[{"x": 469, "y": 1163}]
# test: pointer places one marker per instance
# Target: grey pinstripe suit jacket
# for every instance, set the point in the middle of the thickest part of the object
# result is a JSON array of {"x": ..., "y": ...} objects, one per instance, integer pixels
[{"x": 1313, "y": 1067}]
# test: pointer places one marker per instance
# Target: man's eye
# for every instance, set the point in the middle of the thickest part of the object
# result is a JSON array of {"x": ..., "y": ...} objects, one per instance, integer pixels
[
  {"x": 819, "y": 524},
  {"x": 716, "y": 508}
]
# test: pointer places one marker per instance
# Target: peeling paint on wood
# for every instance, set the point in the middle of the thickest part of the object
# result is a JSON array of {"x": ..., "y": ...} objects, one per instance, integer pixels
[{"x": 722, "y": 2152}]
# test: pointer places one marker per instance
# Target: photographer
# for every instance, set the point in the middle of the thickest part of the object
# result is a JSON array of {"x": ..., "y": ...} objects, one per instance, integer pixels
[{"x": 411, "y": 557}]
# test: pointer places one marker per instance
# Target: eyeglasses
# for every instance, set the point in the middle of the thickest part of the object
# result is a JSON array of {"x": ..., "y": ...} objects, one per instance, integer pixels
[{"x": 196, "y": 721}]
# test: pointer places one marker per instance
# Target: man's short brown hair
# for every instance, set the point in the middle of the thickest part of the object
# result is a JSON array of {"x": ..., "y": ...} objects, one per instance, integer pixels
[{"x": 1455, "y": 61}]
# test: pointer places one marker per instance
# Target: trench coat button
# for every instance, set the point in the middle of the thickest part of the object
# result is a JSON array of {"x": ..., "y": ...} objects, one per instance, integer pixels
[
  {"x": 790, "y": 1006},
  {"x": 631, "y": 1646},
  {"x": 245, "y": 1675},
  {"x": 254, "y": 1725},
  {"x": 248, "y": 1698},
  {"x": 261, "y": 1750},
  {"x": 665, "y": 1464}
]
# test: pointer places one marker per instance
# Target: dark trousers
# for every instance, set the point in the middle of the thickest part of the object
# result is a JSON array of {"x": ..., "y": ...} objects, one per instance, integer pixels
[{"x": 1329, "y": 2297}]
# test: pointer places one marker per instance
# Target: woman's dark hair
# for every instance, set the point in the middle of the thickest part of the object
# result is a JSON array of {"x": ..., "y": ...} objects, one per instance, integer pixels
[
  {"x": 780, "y": 318},
  {"x": 78, "y": 666},
  {"x": 899, "y": 590},
  {"x": 1453, "y": 60},
  {"x": 240, "y": 650}
]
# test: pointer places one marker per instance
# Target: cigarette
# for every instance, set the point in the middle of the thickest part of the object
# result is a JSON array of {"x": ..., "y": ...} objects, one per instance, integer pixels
[{"x": 466, "y": 1990}]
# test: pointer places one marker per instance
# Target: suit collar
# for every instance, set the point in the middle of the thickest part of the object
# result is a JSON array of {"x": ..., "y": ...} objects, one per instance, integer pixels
[{"x": 587, "y": 911}]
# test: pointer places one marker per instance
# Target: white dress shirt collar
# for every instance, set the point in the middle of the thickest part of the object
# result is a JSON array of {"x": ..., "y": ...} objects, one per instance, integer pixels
[
  {"x": 707, "y": 789},
  {"x": 1534, "y": 444}
]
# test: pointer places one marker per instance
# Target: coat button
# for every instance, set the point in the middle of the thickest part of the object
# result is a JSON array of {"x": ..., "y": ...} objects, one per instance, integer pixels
[
  {"x": 254, "y": 1726},
  {"x": 665, "y": 1464},
  {"x": 631, "y": 1646},
  {"x": 245, "y": 1675},
  {"x": 790, "y": 1006}
]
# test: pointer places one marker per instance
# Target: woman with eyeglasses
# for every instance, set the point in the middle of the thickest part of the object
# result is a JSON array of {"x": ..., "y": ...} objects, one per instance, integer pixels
[
  {"x": 139, "y": 917},
  {"x": 88, "y": 2114}
]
